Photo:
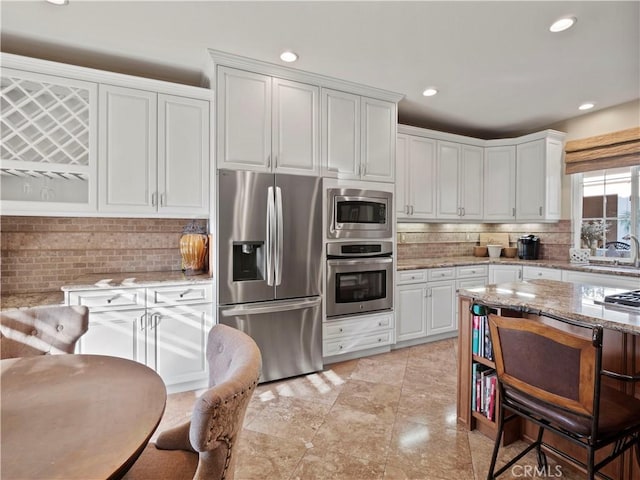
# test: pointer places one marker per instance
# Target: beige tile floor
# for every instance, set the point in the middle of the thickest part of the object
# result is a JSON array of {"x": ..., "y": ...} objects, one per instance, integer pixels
[{"x": 386, "y": 417}]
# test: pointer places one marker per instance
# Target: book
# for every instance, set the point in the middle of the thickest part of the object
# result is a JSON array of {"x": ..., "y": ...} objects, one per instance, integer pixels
[{"x": 475, "y": 335}]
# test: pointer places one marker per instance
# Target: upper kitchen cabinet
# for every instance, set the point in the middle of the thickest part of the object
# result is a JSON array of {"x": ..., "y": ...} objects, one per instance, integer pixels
[
  {"x": 459, "y": 181},
  {"x": 522, "y": 178},
  {"x": 49, "y": 133},
  {"x": 266, "y": 123},
  {"x": 272, "y": 118},
  {"x": 500, "y": 183},
  {"x": 79, "y": 141},
  {"x": 358, "y": 136},
  {"x": 539, "y": 173},
  {"x": 154, "y": 153},
  {"x": 415, "y": 177}
]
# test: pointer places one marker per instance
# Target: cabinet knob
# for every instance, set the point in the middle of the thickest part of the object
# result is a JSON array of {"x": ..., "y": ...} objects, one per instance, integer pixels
[
  {"x": 339, "y": 347},
  {"x": 379, "y": 339},
  {"x": 340, "y": 330}
]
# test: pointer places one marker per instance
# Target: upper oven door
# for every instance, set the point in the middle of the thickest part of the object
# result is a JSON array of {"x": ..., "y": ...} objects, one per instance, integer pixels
[{"x": 357, "y": 213}]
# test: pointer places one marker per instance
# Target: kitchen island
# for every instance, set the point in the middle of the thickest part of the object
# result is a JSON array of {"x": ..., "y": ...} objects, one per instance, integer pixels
[{"x": 550, "y": 302}]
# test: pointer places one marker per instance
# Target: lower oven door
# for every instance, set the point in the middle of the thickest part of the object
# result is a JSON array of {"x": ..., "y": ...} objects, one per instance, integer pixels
[{"x": 359, "y": 285}]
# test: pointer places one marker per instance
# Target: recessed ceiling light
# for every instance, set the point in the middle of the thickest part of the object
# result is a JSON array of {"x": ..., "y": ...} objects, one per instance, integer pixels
[
  {"x": 562, "y": 24},
  {"x": 430, "y": 92},
  {"x": 288, "y": 56},
  {"x": 58, "y": 2},
  {"x": 586, "y": 106}
]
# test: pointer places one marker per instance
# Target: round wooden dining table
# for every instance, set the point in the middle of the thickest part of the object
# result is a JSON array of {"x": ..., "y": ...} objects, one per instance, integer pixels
[{"x": 85, "y": 417}]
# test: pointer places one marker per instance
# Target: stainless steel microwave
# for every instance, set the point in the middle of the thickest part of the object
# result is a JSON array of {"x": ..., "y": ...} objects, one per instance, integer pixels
[{"x": 356, "y": 213}]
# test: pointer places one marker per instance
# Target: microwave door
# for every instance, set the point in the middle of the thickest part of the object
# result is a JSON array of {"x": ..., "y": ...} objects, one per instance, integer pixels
[{"x": 245, "y": 257}]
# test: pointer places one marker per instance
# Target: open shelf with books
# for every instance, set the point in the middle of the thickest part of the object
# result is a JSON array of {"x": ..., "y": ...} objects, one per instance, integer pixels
[{"x": 478, "y": 403}]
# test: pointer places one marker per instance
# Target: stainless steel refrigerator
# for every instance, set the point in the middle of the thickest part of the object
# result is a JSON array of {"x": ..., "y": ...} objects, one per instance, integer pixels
[{"x": 269, "y": 266}]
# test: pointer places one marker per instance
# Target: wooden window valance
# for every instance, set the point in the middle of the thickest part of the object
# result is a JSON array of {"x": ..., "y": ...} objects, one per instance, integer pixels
[{"x": 612, "y": 150}]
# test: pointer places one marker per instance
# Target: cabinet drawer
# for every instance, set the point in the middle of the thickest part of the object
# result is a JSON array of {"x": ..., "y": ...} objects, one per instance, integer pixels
[
  {"x": 176, "y": 294},
  {"x": 471, "y": 271},
  {"x": 352, "y": 344},
  {"x": 412, "y": 276},
  {"x": 531, "y": 273},
  {"x": 357, "y": 325},
  {"x": 442, "y": 274},
  {"x": 108, "y": 299},
  {"x": 471, "y": 283}
]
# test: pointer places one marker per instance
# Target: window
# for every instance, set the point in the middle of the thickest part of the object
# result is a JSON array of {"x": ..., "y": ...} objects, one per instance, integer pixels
[{"x": 608, "y": 210}]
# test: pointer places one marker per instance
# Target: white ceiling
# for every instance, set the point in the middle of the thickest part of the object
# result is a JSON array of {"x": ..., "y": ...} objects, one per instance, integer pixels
[{"x": 499, "y": 70}]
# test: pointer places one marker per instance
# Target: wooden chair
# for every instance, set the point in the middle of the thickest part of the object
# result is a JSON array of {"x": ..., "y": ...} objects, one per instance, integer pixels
[
  {"x": 204, "y": 447},
  {"x": 553, "y": 378},
  {"x": 43, "y": 330}
]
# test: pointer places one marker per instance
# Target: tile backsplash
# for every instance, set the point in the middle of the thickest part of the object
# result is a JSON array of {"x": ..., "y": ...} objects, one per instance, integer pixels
[
  {"x": 430, "y": 240},
  {"x": 41, "y": 254}
]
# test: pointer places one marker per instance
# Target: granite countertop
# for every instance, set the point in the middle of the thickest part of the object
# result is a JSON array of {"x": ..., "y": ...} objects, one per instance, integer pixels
[
  {"x": 573, "y": 301},
  {"x": 99, "y": 281},
  {"x": 419, "y": 263},
  {"x": 133, "y": 279}
]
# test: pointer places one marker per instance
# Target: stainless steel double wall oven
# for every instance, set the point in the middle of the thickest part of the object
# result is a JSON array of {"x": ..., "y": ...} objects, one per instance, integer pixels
[{"x": 359, "y": 268}]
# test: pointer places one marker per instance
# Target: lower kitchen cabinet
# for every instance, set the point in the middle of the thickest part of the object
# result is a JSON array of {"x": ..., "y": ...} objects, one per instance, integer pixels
[
  {"x": 441, "y": 307},
  {"x": 163, "y": 327},
  {"x": 361, "y": 332},
  {"x": 411, "y": 311},
  {"x": 504, "y": 273},
  {"x": 426, "y": 301}
]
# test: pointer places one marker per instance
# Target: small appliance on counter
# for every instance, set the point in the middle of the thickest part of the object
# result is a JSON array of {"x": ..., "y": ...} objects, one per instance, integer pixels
[{"x": 528, "y": 247}]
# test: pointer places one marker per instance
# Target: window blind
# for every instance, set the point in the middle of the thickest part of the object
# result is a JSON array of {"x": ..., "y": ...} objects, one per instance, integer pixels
[{"x": 612, "y": 150}]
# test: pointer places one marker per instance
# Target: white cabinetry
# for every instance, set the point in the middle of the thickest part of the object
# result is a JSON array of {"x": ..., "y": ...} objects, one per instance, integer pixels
[
  {"x": 522, "y": 179},
  {"x": 416, "y": 177},
  {"x": 459, "y": 181},
  {"x": 164, "y": 327},
  {"x": 358, "y": 136},
  {"x": 426, "y": 301},
  {"x": 357, "y": 333},
  {"x": 411, "y": 305},
  {"x": 538, "y": 171},
  {"x": 441, "y": 307},
  {"x": 504, "y": 273},
  {"x": 541, "y": 273},
  {"x": 266, "y": 123},
  {"x": 79, "y": 141},
  {"x": 154, "y": 152},
  {"x": 49, "y": 140},
  {"x": 500, "y": 183}
]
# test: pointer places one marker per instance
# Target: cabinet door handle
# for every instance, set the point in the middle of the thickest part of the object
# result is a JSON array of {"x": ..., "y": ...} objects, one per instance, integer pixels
[
  {"x": 269, "y": 161},
  {"x": 519, "y": 275},
  {"x": 364, "y": 169},
  {"x": 163, "y": 197},
  {"x": 463, "y": 212},
  {"x": 154, "y": 199},
  {"x": 540, "y": 211},
  {"x": 406, "y": 209},
  {"x": 143, "y": 322},
  {"x": 411, "y": 209},
  {"x": 513, "y": 212}
]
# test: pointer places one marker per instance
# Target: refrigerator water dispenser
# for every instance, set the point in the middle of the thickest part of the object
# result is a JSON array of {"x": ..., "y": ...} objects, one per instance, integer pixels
[{"x": 248, "y": 261}]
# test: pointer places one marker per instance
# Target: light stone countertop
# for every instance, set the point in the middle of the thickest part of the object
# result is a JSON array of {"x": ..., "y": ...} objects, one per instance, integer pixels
[
  {"x": 440, "y": 262},
  {"x": 100, "y": 281},
  {"x": 573, "y": 301},
  {"x": 134, "y": 279}
]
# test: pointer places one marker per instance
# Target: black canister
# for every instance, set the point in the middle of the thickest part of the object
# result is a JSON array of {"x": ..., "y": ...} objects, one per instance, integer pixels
[{"x": 528, "y": 247}]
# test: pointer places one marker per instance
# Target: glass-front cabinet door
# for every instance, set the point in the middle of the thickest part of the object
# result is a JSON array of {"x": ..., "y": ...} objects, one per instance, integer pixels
[{"x": 48, "y": 155}]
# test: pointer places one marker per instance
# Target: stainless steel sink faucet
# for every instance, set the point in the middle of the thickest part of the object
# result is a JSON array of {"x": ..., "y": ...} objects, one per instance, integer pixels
[{"x": 635, "y": 248}]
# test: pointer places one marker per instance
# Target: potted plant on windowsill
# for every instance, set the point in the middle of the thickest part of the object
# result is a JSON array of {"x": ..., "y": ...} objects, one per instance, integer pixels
[{"x": 592, "y": 232}]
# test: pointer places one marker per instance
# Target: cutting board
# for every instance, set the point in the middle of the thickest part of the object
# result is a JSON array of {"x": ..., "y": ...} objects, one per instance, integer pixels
[{"x": 501, "y": 239}]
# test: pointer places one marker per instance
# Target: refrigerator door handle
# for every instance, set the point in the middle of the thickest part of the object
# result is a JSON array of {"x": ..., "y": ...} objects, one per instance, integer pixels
[
  {"x": 269, "y": 237},
  {"x": 279, "y": 237},
  {"x": 270, "y": 307}
]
